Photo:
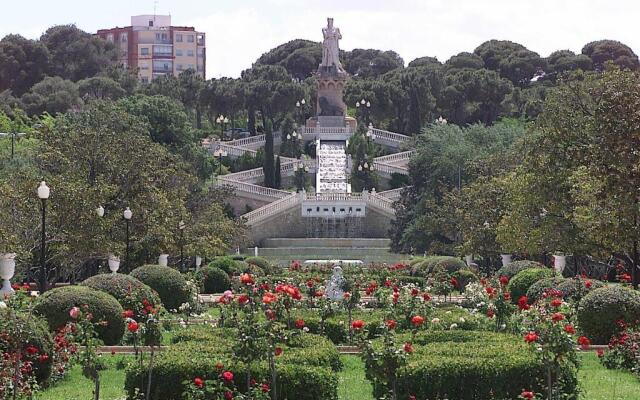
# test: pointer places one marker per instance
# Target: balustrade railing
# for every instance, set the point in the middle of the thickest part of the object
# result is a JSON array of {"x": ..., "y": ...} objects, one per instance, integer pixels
[
  {"x": 264, "y": 192},
  {"x": 392, "y": 158},
  {"x": 393, "y": 194},
  {"x": 271, "y": 209},
  {"x": 391, "y": 136},
  {"x": 389, "y": 169}
]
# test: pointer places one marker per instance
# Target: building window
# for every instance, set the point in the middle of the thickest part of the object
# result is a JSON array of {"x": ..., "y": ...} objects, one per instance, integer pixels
[
  {"x": 190, "y": 53},
  {"x": 157, "y": 37},
  {"x": 144, "y": 66},
  {"x": 144, "y": 51},
  {"x": 110, "y": 37},
  {"x": 162, "y": 66},
  {"x": 145, "y": 79},
  {"x": 178, "y": 52},
  {"x": 179, "y": 67},
  {"x": 123, "y": 37},
  {"x": 150, "y": 22},
  {"x": 163, "y": 51},
  {"x": 178, "y": 37},
  {"x": 201, "y": 52},
  {"x": 190, "y": 38},
  {"x": 191, "y": 66}
]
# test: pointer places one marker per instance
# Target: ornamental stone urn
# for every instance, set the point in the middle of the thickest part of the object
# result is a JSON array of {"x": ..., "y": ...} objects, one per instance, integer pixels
[
  {"x": 163, "y": 260},
  {"x": 506, "y": 259},
  {"x": 559, "y": 263},
  {"x": 114, "y": 263},
  {"x": 7, "y": 270}
]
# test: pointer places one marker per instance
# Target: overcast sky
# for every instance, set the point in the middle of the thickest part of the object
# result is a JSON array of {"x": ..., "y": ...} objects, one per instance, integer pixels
[{"x": 239, "y": 31}]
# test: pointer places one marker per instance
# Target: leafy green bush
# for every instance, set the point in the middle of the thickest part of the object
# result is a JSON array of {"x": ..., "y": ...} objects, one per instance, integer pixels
[
  {"x": 214, "y": 280},
  {"x": 227, "y": 264},
  {"x": 468, "y": 365},
  {"x": 130, "y": 292},
  {"x": 537, "y": 289},
  {"x": 54, "y": 306},
  {"x": 305, "y": 368},
  {"x": 465, "y": 276},
  {"x": 576, "y": 288},
  {"x": 34, "y": 333},
  {"x": 510, "y": 270},
  {"x": 600, "y": 310},
  {"x": 450, "y": 264},
  {"x": 522, "y": 281},
  {"x": 264, "y": 265},
  {"x": 167, "y": 282}
]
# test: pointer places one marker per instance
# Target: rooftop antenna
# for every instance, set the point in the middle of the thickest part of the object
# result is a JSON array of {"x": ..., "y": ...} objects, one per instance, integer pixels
[{"x": 155, "y": 9}]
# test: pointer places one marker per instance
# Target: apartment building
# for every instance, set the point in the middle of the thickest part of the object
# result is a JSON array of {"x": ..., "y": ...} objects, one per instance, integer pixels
[{"x": 157, "y": 48}]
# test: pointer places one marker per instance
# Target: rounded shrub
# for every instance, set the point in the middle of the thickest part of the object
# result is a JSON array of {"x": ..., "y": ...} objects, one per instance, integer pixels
[
  {"x": 170, "y": 285},
  {"x": 227, "y": 264},
  {"x": 420, "y": 268},
  {"x": 214, "y": 280},
  {"x": 600, "y": 310},
  {"x": 522, "y": 281},
  {"x": 130, "y": 292},
  {"x": 464, "y": 277},
  {"x": 537, "y": 289},
  {"x": 576, "y": 288},
  {"x": 510, "y": 270},
  {"x": 32, "y": 332},
  {"x": 450, "y": 264},
  {"x": 54, "y": 306},
  {"x": 260, "y": 262}
]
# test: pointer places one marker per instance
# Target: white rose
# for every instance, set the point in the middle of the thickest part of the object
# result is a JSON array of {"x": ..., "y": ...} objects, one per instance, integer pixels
[
  {"x": 435, "y": 321},
  {"x": 3, "y": 304},
  {"x": 453, "y": 326},
  {"x": 462, "y": 320}
]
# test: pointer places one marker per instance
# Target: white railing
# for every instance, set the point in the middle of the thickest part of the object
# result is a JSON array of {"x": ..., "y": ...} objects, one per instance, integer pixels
[
  {"x": 265, "y": 193},
  {"x": 393, "y": 158},
  {"x": 393, "y": 194},
  {"x": 244, "y": 176},
  {"x": 390, "y": 136},
  {"x": 328, "y": 196},
  {"x": 325, "y": 129},
  {"x": 376, "y": 201},
  {"x": 252, "y": 140},
  {"x": 389, "y": 169},
  {"x": 271, "y": 209}
]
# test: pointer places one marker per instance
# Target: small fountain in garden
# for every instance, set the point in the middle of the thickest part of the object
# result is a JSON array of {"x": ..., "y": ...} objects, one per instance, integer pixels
[{"x": 335, "y": 284}]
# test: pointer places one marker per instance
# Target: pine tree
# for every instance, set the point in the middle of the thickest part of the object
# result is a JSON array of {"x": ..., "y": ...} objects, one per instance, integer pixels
[
  {"x": 277, "y": 182},
  {"x": 268, "y": 165}
]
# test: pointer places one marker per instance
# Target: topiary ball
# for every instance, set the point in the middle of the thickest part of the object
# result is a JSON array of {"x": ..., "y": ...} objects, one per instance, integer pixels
[
  {"x": 522, "y": 281},
  {"x": 54, "y": 306},
  {"x": 214, "y": 280},
  {"x": 167, "y": 282},
  {"x": 538, "y": 288},
  {"x": 130, "y": 292},
  {"x": 465, "y": 276},
  {"x": 450, "y": 264},
  {"x": 576, "y": 288},
  {"x": 599, "y": 312},
  {"x": 264, "y": 265},
  {"x": 227, "y": 264},
  {"x": 510, "y": 270},
  {"x": 35, "y": 335}
]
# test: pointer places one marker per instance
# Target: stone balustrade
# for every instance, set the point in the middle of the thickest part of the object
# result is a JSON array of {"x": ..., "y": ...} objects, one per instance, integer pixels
[
  {"x": 393, "y": 194},
  {"x": 396, "y": 158},
  {"x": 256, "y": 216},
  {"x": 388, "y": 169},
  {"x": 264, "y": 193}
]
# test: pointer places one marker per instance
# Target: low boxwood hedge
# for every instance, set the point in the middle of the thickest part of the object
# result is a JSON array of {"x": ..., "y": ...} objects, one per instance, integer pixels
[
  {"x": 537, "y": 289},
  {"x": 306, "y": 368},
  {"x": 227, "y": 264},
  {"x": 35, "y": 332},
  {"x": 510, "y": 270},
  {"x": 130, "y": 292},
  {"x": 599, "y": 312},
  {"x": 213, "y": 280},
  {"x": 522, "y": 281},
  {"x": 576, "y": 288},
  {"x": 54, "y": 306},
  {"x": 467, "y": 365},
  {"x": 168, "y": 282},
  {"x": 264, "y": 265}
]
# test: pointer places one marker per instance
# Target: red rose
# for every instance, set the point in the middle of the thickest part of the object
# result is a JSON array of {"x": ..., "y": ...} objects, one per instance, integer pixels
[
  {"x": 219, "y": 366},
  {"x": 271, "y": 315},
  {"x": 426, "y": 297},
  {"x": 556, "y": 302},
  {"x": 523, "y": 303},
  {"x": 198, "y": 382},
  {"x": 408, "y": 348},
  {"x": 414, "y": 292},
  {"x": 243, "y": 299},
  {"x": 412, "y": 397},
  {"x": 504, "y": 280},
  {"x": 247, "y": 279},
  {"x": 391, "y": 324},
  {"x": 454, "y": 282},
  {"x": 228, "y": 395},
  {"x": 491, "y": 313},
  {"x": 417, "y": 321},
  {"x": 319, "y": 293},
  {"x": 128, "y": 314},
  {"x": 530, "y": 337},
  {"x": 346, "y": 295},
  {"x": 584, "y": 342},
  {"x": 310, "y": 283},
  {"x": 507, "y": 296},
  {"x": 227, "y": 376},
  {"x": 299, "y": 323},
  {"x": 265, "y": 388},
  {"x": 278, "y": 351},
  {"x": 588, "y": 284},
  {"x": 132, "y": 327},
  {"x": 387, "y": 283},
  {"x": 43, "y": 358},
  {"x": 357, "y": 324},
  {"x": 269, "y": 298},
  {"x": 31, "y": 350},
  {"x": 569, "y": 329},
  {"x": 527, "y": 395},
  {"x": 556, "y": 317},
  {"x": 600, "y": 353}
]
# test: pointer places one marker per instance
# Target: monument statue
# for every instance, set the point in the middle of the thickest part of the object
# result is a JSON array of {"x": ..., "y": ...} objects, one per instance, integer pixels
[
  {"x": 330, "y": 47},
  {"x": 335, "y": 284}
]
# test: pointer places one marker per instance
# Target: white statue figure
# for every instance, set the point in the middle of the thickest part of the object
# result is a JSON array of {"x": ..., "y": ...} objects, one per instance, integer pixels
[
  {"x": 334, "y": 286},
  {"x": 330, "y": 48}
]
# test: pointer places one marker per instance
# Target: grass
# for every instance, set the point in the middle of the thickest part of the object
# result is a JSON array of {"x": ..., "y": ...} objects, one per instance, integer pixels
[
  {"x": 352, "y": 383},
  {"x": 597, "y": 382}
]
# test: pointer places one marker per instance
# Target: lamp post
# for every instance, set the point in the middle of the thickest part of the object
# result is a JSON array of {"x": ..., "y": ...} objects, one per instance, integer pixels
[
  {"x": 14, "y": 136},
  {"x": 365, "y": 106},
  {"x": 300, "y": 169},
  {"x": 222, "y": 120},
  {"x": 127, "y": 214},
  {"x": 220, "y": 153},
  {"x": 300, "y": 105},
  {"x": 181, "y": 226},
  {"x": 43, "y": 195}
]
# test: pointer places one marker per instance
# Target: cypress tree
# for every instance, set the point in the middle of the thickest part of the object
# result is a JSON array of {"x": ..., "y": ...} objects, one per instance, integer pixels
[
  {"x": 268, "y": 165},
  {"x": 277, "y": 183}
]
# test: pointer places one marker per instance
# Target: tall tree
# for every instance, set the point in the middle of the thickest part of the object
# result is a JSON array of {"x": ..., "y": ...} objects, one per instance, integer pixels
[
  {"x": 52, "y": 95},
  {"x": 23, "y": 63},
  {"x": 619, "y": 53},
  {"x": 268, "y": 166},
  {"x": 277, "y": 181}
]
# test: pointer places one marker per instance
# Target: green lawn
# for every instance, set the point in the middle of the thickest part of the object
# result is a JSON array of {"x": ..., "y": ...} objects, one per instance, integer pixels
[{"x": 597, "y": 382}]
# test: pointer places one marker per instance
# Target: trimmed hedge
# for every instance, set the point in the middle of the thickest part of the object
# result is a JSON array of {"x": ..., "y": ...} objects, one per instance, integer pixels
[
  {"x": 538, "y": 288},
  {"x": 575, "y": 288},
  {"x": 129, "y": 291},
  {"x": 167, "y": 282},
  {"x": 522, "y": 281},
  {"x": 54, "y": 306},
  {"x": 450, "y": 264},
  {"x": 36, "y": 334},
  {"x": 214, "y": 280},
  {"x": 305, "y": 368},
  {"x": 599, "y": 311},
  {"x": 510, "y": 270},
  {"x": 465, "y": 276},
  {"x": 470, "y": 366},
  {"x": 227, "y": 264},
  {"x": 264, "y": 265}
]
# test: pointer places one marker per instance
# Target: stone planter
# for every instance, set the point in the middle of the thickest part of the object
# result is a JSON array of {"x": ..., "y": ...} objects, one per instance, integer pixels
[
  {"x": 114, "y": 263},
  {"x": 559, "y": 263},
  {"x": 7, "y": 270},
  {"x": 163, "y": 260},
  {"x": 506, "y": 259}
]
